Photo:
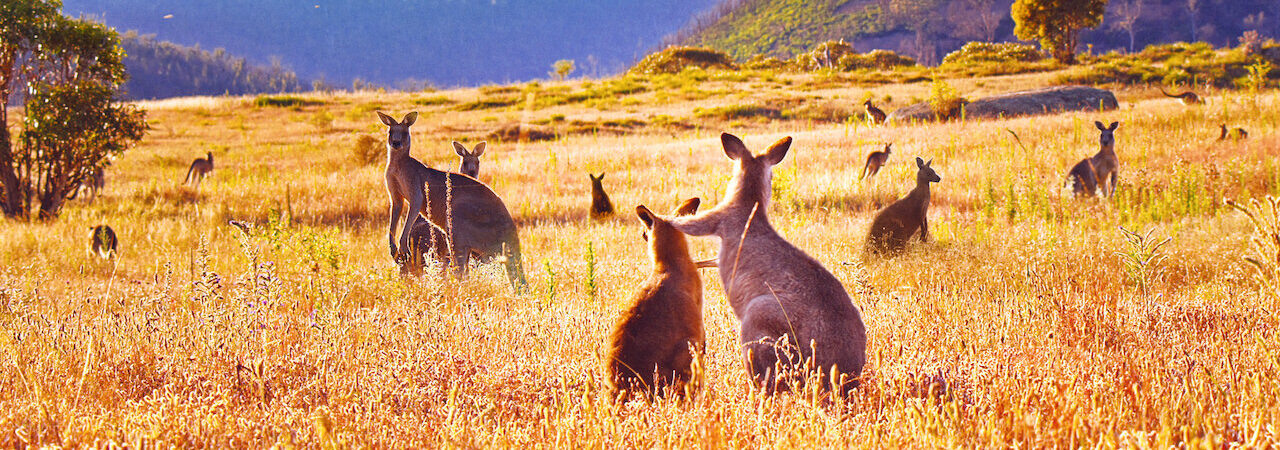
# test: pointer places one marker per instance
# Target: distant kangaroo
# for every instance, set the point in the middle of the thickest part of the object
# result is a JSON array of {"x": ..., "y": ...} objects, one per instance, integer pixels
[
  {"x": 1236, "y": 134},
  {"x": 472, "y": 216},
  {"x": 875, "y": 161},
  {"x": 470, "y": 165},
  {"x": 95, "y": 183},
  {"x": 877, "y": 115},
  {"x": 1101, "y": 170},
  {"x": 786, "y": 301},
  {"x": 199, "y": 168},
  {"x": 656, "y": 338},
  {"x": 102, "y": 242},
  {"x": 601, "y": 207},
  {"x": 1187, "y": 98},
  {"x": 894, "y": 225}
]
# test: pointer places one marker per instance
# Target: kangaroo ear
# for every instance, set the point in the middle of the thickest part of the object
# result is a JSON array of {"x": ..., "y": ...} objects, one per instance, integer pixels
[
  {"x": 919, "y": 162},
  {"x": 479, "y": 149},
  {"x": 888, "y": 146},
  {"x": 777, "y": 151},
  {"x": 733, "y": 147},
  {"x": 387, "y": 120},
  {"x": 1113, "y": 126},
  {"x": 930, "y": 163},
  {"x": 409, "y": 119},
  {"x": 600, "y": 177},
  {"x": 689, "y": 207},
  {"x": 645, "y": 216},
  {"x": 1099, "y": 125},
  {"x": 460, "y": 149}
]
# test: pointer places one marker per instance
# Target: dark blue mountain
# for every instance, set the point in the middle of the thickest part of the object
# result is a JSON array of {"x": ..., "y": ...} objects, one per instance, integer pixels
[{"x": 445, "y": 42}]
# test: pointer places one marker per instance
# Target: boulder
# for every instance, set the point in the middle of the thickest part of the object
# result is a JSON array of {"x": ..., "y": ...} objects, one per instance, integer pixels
[{"x": 1025, "y": 103}]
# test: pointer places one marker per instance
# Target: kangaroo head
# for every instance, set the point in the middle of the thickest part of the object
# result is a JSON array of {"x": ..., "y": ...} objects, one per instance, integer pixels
[
  {"x": 888, "y": 148},
  {"x": 666, "y": 239},
  {"x": 1108, "y": 137},
  {"x": 398, "y": 132},
  {"x": 595, "y": 181},
  {"x": 926, "y": 174},
  {"x": 753, "y": 174},
  {"x": 470, "y": 165},
  {"x": 867, "y": 103}
]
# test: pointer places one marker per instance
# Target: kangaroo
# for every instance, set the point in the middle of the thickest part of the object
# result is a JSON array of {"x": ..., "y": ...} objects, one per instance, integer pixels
[
  {"x": 1187, "y": 98},
  {"x": 1106, "y": 166},
  {"x": 473, "y": 217},
  {"x": 1236, "y": 134},
  {"x": 1082, "y": 179},
  {"x": 426, "y": 239},
  {"x": 470, "y": 165},
  {"x": 875, "y": 161},
  {"x": 601, "y": 207},
  {"x": 789, "y": 306},
  {"x": 894, "y": 225},
  {"x": 199, "y": 168},
  {"x": 876, "y": 114},
  {"x": 95, "y": 183},
  {"x": 102, "y": 242},
  {"x": 657, "y": 337}
]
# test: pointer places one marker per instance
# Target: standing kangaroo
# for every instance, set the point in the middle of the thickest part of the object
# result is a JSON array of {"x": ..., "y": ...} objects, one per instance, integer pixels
[
  {"x": 656, "y": 338},
  {"x": 894, "y": 225},
  {"x": 876, "y": 114},
  {"x": 95, "y": 183},
  {"x": 875, "y": 161},
  {"x": 793, "y": 312},
  {"x": 473, "y": 218},
  {"x": 1236, "y": 134},
  {"x": 102, "y": 242},
  {"x": 601, "y": 207},
  {"x": 1187, "y": 98},
  {"x": 1099, "y": 171},
  {"x": 199, "y": 168},
  {"x": 470, "y": 165}
]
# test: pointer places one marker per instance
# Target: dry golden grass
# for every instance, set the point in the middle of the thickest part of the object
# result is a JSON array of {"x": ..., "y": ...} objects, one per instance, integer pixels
[{"x": 1019, "y": 326}]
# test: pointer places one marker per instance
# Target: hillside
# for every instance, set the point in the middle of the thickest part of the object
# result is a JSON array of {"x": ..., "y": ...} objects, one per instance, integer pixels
[
  {"x": 445, "y": 42},
  {"x": 928, "y": 29},
  {"x": 159, "y": 69}
]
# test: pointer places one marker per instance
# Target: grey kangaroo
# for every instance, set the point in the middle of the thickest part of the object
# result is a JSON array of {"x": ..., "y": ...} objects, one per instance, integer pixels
[
  {"x": 470, "y": 165},
  {"x": 199, "y": 168},
  {"x": 1236, "y": 134},
  {"x": 1187, "y": 98},
  {"x": 601, "y": 207},
  {"x": 793, "y": 312},
  {"x": 474, "y": 219},
  {"x": 875, "y": 161},
  {"x": 102, "y": 242},
  {"x": 877, "y": 115},
  {"x": 894, "y": 225},
  {"x": 95, "y": 183}
]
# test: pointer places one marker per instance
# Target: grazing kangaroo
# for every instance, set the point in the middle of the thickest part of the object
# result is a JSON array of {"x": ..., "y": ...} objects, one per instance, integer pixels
[
  {"x": 1187, "y": 98},
  {"x": 199, "y": 168},
  {"x": 1236, "y": 134},
  {"x": 877, "y": 115},
  {"x": 470, "y": 165},
  {"x": 875, "y": 161},
  {"x": 894, "y": 225},
  {"x": 793, "y": 312},
  {"x": 474, "y": 218},
  {"x": 102, "y": 242},
  {"x": 601, "y": 207},
  {"x": 657, "y": 337}
]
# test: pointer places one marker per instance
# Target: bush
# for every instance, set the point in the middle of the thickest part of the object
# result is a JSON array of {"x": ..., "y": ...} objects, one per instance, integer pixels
[
  {"x": 367, "y": 150},
  {"x": 731, "y": 112},
  {"x": 761, "y": 62},
  {"x": 675, "y": 59},
  {"x": 875, "y": 59},
  {"x": 825, "y": 56},
  {"x": 284, "y": 101},
  {"x": 975, "y": 53},
  {"x": 945, "y": 100}
]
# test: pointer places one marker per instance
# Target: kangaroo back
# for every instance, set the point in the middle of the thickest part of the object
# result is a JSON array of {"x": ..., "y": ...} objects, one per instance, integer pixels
[{"x": 897, "y": 223}]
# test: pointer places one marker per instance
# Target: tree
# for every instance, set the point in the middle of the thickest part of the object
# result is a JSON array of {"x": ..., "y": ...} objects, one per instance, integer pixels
[
  {"x": 23, "y": 26},
  {"x": 562, "y": 69},
  {"x": 976, "y": 19},
  {"x": 924, "y": 17},
  {"x": 71, "y": 71},
  {"x": 1056, "y": 23},
  {"x": 1126, "y": 14}
]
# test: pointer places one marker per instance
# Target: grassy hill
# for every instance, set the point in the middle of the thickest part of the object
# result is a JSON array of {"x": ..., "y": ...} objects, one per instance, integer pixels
[
  {"x": 1018, "y": 325},
  {"x": 784, "y": 28}
]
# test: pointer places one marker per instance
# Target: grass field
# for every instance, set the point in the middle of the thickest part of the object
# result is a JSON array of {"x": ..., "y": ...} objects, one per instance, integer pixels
[{"x": 1021, "y": 325}]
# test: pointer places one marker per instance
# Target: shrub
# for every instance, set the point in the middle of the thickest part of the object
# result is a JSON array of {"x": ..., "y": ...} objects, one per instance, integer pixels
[
  {"x": 367, "y": 150},
  {"x": 675, "y": 59},
  {"x": 761, "y": 62},
  {"x": 284, "y": 101},
  {"x": 988, "y": 52},
  {"x": 731, "y": 112},
  {"x": 826, "y": 55},
  {"x": 432, "y": 101},
  {"x": 945, "y": 100},
  {"x": 490, "y": 102},
  {"x": 875, "y": 59}
]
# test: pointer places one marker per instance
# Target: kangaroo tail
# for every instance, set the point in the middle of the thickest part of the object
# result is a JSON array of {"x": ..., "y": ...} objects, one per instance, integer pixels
[
  {"x": 1166, "y": 94},
  {"x": 189, "y": 171},
  {"x": 515, "y": 269},
  {"x": 864, "y": 170}
]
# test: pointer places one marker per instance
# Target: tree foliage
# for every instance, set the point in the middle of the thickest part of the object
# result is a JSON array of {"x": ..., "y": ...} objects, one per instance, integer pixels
[
  {"x": 159, "y": 69},
  {"x": 67, "y": 74},
  {"x": 1056, "y": 23}
]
